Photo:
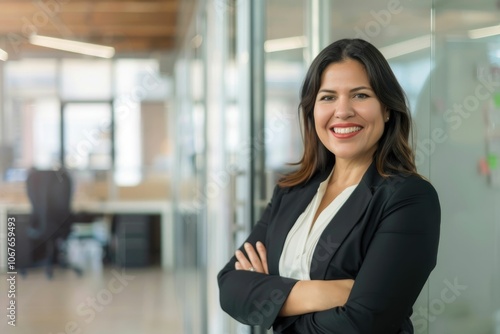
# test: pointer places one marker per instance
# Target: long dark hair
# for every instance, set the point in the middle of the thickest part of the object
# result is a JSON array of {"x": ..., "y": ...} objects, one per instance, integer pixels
[{"x": 393, "y": 154}]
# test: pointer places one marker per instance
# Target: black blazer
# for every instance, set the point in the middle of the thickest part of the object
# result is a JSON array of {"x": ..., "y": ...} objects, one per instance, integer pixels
[{"x": 385, "y": 237}]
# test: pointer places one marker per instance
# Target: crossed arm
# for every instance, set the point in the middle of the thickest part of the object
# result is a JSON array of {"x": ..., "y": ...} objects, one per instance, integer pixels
[{"x": 305, "y": 296}]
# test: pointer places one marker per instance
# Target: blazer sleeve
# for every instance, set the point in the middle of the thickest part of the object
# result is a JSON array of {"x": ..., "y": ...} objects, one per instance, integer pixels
[
  {"x": 399, "y": 259},
  {"x": 254, "y": 298}
]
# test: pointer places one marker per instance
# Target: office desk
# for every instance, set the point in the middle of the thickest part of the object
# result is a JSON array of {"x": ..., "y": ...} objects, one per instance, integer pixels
[{"x": 163, "y": 208}]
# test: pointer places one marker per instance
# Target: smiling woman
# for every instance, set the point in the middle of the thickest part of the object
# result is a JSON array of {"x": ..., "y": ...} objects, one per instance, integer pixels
[{"x": 349, "y": 239}]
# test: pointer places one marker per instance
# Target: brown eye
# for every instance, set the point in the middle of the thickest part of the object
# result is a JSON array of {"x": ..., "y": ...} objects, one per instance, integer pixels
[{"x": 326, "y": 98}]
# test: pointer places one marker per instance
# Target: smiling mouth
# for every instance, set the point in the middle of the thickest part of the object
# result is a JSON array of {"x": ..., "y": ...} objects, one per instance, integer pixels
[{"x": 347, "y": 130}]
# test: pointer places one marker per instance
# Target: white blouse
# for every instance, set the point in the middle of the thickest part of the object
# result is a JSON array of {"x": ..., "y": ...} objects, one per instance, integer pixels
[{"x": 296, "y": 257}]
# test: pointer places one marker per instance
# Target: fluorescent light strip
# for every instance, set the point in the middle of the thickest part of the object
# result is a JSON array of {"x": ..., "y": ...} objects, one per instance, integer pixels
[
  {"x": 406, "y": 47},
  {"x": 3, "y": 55},
  {"x": 484, "y": 32},
  {"x": 283, "y": 44},
  {"x": 73, "y": 46}
]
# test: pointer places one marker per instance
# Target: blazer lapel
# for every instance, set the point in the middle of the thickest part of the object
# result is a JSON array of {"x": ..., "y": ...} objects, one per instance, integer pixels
[
  {"x": 343, "y": 222},
  {"x": 291, "y": 207}
]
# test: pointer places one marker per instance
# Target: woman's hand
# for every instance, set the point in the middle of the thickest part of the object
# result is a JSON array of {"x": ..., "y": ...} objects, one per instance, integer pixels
[{"x": 256, "y": 261}]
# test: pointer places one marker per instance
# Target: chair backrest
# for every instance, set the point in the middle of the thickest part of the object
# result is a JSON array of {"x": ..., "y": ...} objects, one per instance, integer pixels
[{"x": 50, "y": 193}]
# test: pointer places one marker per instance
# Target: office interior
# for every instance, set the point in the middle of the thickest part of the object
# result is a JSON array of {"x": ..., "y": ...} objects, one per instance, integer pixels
[{"x": 186, "y": 124}]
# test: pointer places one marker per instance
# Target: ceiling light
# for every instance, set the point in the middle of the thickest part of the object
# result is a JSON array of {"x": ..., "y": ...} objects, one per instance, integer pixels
[
  {"x": 73, "y": 46},
  {"x": 3, "y": 55},
  {"x": 283, "y": 44},
  {"x": 409, "y": 46},
  {"x": 484, "y": 32}
]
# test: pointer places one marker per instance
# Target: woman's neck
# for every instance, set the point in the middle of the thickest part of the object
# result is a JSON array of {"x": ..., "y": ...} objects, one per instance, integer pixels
[{"x": 347, "y": 173}]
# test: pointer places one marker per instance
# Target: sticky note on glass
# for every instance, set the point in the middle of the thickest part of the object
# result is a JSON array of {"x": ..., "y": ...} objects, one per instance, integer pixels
[
  {"x": 492, "y": 161},
  {"x": 496, "y": 100}
]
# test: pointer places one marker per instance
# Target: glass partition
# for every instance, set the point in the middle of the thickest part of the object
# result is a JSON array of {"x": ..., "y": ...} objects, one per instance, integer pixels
[
  {"x": 446, "y": 55},
  {"x": 285, "y": 66},
  {"x": 188, "y": 117},
  {"x": 462, "y": 152}
]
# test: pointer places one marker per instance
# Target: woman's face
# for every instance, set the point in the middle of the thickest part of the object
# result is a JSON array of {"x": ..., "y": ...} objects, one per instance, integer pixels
[{"x": 348, "y": 116}]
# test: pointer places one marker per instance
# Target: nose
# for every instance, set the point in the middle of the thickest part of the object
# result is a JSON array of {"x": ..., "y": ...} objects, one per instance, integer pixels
[{"x": 343, "y": 108}]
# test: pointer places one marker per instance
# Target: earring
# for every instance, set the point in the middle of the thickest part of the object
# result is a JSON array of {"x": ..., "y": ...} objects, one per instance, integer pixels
[{"x": 387, "y": 118}]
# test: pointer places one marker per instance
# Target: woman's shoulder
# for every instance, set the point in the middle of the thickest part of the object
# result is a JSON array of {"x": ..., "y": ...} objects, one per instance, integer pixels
[{"x": 406, "y": 184}]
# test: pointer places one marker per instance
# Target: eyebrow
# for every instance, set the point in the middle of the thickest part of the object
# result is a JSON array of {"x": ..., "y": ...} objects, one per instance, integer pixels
[{"x": 352, "y": 90}]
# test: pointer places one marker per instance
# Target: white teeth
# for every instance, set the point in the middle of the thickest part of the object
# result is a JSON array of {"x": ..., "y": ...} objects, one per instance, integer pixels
[{"x": 346, "y": 130}]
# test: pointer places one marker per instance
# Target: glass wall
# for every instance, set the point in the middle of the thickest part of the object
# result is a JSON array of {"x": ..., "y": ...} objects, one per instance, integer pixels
[
  {"x": 445, "y": 53},
  {"x": 188, "y": 131},
  {"x": 285, "y": 67},
  {"x": 213, "y": 155},
  {"x": 462, "y": 151}
]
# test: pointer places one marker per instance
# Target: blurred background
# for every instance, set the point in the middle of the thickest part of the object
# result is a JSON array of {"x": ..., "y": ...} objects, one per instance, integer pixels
[{"x": 175, "y": 119}]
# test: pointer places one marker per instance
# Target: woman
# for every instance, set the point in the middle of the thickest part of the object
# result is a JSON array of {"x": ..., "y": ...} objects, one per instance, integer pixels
[{"x": 349, "y": 239}]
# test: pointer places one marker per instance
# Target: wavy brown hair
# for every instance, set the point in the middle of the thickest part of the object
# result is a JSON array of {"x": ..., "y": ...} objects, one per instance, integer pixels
[{"x": 393, "y": 154}]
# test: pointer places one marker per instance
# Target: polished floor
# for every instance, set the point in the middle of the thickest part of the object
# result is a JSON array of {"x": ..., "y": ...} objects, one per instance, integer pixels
[{"x": 110, "y": 301}]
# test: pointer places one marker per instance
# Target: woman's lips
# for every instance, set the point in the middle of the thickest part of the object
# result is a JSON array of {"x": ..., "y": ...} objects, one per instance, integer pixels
[{"x": 345, "y": 131}]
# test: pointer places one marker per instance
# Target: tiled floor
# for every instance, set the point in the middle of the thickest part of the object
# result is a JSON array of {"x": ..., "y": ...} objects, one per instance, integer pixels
[{"x": 116, "y": 301}]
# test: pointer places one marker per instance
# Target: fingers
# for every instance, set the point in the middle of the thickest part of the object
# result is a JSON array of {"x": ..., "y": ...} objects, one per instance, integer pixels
[
  {"x": 242, "y": 263},
  {"x": 261, "y": 249},
  {"x": 254, "y": 259}
]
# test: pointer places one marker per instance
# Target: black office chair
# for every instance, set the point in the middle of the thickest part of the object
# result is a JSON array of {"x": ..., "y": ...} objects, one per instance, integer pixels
[{"x": 50, "y": 193}]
